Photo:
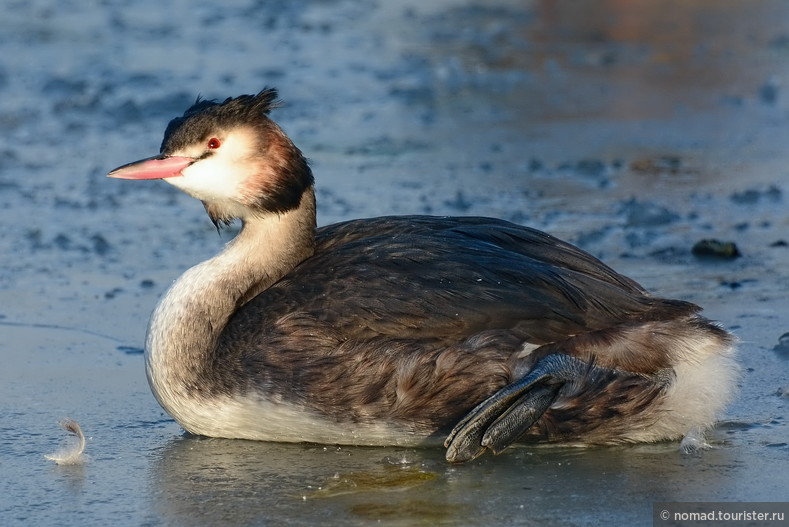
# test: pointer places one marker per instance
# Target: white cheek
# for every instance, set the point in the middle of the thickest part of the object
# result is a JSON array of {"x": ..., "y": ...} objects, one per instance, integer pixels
[
  {"x": 220, "y": 178},
  {"x": 211, "y": 179}
]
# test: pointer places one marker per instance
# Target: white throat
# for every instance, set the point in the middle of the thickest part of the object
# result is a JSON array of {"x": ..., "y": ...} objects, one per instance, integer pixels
[{"x": 190, "y": 317}]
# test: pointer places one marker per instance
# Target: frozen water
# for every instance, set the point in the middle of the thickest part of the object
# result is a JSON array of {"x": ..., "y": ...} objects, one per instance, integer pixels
[{"x": 631, "y": 128}]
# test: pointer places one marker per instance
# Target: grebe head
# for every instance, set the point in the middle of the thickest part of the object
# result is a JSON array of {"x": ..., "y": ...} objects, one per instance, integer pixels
[{"x": 231, "y": 156}]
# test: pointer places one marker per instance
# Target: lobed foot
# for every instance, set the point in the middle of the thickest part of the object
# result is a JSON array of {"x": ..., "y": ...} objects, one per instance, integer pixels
[{"x": 502, "y": 418}]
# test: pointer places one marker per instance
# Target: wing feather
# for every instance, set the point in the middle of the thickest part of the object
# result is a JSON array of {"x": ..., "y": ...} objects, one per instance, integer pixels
[{"x": 449, "y": 278}]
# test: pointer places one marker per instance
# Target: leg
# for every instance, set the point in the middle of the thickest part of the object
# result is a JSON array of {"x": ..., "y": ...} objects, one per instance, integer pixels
[{"x": 503, "y": 417}]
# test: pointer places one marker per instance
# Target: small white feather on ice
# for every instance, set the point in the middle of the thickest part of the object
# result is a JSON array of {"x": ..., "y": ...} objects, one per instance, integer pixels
[{"x": 71, "y": 453}]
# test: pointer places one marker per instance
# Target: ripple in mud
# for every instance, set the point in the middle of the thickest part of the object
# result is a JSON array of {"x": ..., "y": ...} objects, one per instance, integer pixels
[
  {"x": 732, "y": 427},
  {"x": 661, "y": 165},
  {"x": 752, "y": 196},
  {"x": 594, "y": 169},
  {"x": 93, "y": 243},
  {"x": 646, "y": 214},
  {"x": 130, "y": 350},
  {"x": 783, "y": 345}
]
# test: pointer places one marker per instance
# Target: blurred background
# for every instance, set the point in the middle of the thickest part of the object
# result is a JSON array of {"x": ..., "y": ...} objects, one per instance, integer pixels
[{"x": 633, "y": 128}]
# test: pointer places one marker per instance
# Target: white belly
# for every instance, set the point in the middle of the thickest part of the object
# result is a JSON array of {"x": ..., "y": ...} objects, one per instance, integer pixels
[{"x": 264, "y": 420}]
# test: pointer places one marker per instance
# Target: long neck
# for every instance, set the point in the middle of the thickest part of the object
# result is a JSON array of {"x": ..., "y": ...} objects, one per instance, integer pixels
[{"x": 187, "y": 322}]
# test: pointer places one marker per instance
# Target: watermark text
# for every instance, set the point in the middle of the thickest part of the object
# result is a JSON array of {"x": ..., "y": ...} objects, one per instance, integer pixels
[{"x": 683, "y": 514}]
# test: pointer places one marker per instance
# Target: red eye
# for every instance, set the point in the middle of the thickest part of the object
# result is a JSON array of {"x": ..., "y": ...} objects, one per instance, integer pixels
[{"x": 214, "y": 143}]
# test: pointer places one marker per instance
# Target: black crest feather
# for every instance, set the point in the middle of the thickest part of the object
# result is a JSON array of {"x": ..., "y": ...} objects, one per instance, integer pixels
[
  {"x": 288, "y": 173},
  {"x": 193, "y": 124}
]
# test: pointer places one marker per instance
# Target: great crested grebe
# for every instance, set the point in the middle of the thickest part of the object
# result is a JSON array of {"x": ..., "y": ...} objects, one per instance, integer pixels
[{"x": 404, "y": 330}]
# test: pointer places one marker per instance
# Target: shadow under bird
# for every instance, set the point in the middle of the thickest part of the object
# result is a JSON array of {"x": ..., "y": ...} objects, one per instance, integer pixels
[{"x": 404, "y": 330}]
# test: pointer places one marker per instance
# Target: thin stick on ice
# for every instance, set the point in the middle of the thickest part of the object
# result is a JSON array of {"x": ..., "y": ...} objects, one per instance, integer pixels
[{"x": 72, "y": 452}]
